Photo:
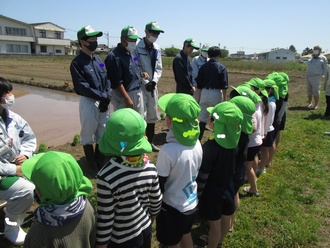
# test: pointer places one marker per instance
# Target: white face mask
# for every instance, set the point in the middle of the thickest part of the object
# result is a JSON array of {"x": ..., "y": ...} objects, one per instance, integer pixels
[
  {"x": 10, "y": 100},
  {"x": 151, "y": 39},
  {"x": 316, "y": 52},
  {"x": 131, "y": 46},
  {"x": 204, "y": 54}
]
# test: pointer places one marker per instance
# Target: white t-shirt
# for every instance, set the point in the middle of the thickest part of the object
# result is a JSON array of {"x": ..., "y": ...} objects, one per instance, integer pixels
[{"x": 180, "y": 164}]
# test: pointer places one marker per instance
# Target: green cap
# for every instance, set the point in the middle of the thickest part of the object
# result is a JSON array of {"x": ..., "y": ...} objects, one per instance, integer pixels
[
  {"x": 269, "y": 83},
  {"x": 191, "y": 42},
  {"x": 184, "y": 111},
  {"x": 130, "y": 32},
  {"x": 125, "y": 134},
  {"x": 206, "y": 47},
  {"x": 153, "y": 26},
  {"x": 248, "y": 108},
  {"x": 57, "y": 176},
  {"x": 246, "y": 91},
  {"x": 88, "y": 31},
  {"x": 281, "y": 79},
  {"x": 227, "y": 124},
  {"x": 258, "y": 83}
]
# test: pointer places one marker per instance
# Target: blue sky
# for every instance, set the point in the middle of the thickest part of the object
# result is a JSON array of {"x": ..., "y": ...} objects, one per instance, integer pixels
[{"x": 237, "y": 25}]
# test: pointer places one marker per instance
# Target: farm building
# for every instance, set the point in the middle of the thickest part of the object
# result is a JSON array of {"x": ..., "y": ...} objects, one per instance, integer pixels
[{"x": 277, "y": 55}]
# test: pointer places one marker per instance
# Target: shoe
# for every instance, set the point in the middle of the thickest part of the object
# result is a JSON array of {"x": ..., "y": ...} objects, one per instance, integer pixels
[
  {"x": 316, "y": 107},
  {"x": 204, "y": 238},
  {"x": 310, "y": 105},
  {"x": 248, "y": 193},
  {"x": 13, "y": 232},
  {"x": 259, "y": 173},
  {"x": 155, "y": 148}
]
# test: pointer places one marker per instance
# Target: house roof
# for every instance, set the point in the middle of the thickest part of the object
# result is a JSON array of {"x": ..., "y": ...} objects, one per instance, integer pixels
[
  {"x": 14, "y": 20},
  {"x": 273, "y": 50},
  {"x": 41, "y": 25}
]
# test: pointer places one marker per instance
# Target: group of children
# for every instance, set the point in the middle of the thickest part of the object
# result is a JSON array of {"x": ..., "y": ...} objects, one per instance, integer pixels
[{"x": 189, "y": 178}]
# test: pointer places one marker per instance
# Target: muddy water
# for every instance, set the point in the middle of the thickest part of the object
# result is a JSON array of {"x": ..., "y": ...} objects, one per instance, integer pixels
[{"x": 53, "y": 115}]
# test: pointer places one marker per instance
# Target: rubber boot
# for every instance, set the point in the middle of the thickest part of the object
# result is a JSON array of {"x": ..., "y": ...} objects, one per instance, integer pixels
[
  {"x": 90, "y": 157},
  {"x": 202, "y": 129},
  {"x": 150, "y": 132},
  {"x": 100, "y": 158},
  {"x": 13, "y": 231}
]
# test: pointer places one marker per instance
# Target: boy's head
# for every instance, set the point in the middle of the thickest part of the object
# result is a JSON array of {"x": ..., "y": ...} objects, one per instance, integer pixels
[
  {"x": 125, "y": 134},
  {"x": 57, "y": 177},
  {"x": 247, "y": 106},
  {"x": 183, "y": 110},
  {"x": 227, "y": 119}
]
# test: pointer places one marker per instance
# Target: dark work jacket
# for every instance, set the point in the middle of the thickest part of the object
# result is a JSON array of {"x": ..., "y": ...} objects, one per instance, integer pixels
[{"x": 182, "y": 73}]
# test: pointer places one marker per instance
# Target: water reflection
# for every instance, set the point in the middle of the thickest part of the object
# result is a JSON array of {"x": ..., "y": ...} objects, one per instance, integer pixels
[{"x": 53, "y": 115}]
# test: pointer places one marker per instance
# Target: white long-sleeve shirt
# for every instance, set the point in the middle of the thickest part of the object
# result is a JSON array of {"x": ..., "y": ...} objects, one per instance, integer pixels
[{"x": 17, "y": 134}]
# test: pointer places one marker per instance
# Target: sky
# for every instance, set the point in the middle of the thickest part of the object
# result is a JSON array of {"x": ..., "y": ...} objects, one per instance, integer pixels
[{"x": 252, "y": 26}]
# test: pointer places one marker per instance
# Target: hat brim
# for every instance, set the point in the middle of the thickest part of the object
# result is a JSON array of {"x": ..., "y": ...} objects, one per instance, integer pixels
[
  {"x": 134, "y": 37},
  {"x": 194, "y": 46},
  {"x": 108, "y": 146},
  {"x": 28, "y": 165},
  {"x": 163, "y": 101},
  {"x": 156, "y": 30}
]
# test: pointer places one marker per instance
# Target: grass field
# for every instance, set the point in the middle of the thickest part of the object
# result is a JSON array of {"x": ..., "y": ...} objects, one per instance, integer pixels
[{"x": 293, "y": 209}]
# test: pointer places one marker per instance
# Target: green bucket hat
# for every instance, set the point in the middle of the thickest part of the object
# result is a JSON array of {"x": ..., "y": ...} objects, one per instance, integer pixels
[
  {"x": 248, "y": 108},
  {"x": 125, "y": 134},
  {"x": 281, "y": 79},
  {"x": 269, "y": 83},
  {"x": 258, "y": 83},
  {"x": 245, "y": 90},
  {"x": 227, "y": 124},
  {"x": 184, "y": 111},
  {"x": 57, "y": 176}
]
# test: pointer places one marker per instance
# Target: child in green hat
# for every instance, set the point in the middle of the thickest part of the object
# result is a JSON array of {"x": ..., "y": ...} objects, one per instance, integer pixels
[
  {"x": 215, "y": 177},
  {"x": 128, "y": 193},
  {"x": 178, "y": 163},
  {"x": 65, "y": 217}
]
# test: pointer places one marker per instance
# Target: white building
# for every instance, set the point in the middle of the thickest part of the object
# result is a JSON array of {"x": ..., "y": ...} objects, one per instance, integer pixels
[
  {"x": 277, "y": 55},
  {"x": 49, "y": 39},
  {"x": 17, "y": 37}
]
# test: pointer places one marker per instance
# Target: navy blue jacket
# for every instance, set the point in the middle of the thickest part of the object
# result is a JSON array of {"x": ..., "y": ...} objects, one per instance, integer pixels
[
  {"x": 182, "y": 73},
  {"x": 89, "y": 77},
  {"x": 212, "y": 75}
]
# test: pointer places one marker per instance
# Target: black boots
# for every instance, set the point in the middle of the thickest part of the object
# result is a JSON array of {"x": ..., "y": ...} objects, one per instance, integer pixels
[
  {"x": 150, "y": 131},
  {"x": 202, "y": 129}
]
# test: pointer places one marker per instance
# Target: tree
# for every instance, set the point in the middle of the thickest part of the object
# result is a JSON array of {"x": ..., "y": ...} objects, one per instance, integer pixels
[
  {"x": 292, "y": 48},
  {"x": 307, "y": 51},
  {"x": 172, "y": 51},
  {"x": 224, "y": 53}
]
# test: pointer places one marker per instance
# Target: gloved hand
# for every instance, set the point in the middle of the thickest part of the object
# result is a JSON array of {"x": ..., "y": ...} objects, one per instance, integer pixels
[
  {"x": 103, "y": 106},
  {"x": 151, "y": 86}
]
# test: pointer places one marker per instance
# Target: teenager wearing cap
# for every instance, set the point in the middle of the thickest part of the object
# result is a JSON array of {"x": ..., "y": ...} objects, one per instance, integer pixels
[
  {"x": 17, "y": 143},
  {"x": 197, "y": 62},
  {"x": 90, "y": 81},
  {"x": 178, "y": 163},
  {"x": 182, "y": 68},
  {"x": 150, "y": 62},
  {"x": 128, "y": 193},
  {"x": 215, "y": 177},
  {"x": 317, "y": 67},
  {"x": 124, "y": 72},
  {"x": 65, "y": 217},
  {"x": 212, "y": 84}
]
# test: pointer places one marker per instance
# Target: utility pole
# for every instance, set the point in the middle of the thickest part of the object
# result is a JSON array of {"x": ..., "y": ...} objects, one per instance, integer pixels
[{"x": 107, "y": 38}]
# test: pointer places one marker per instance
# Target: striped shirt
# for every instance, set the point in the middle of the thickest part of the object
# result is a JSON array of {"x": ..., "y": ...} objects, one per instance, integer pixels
[{"x": 126, "y": 198}]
